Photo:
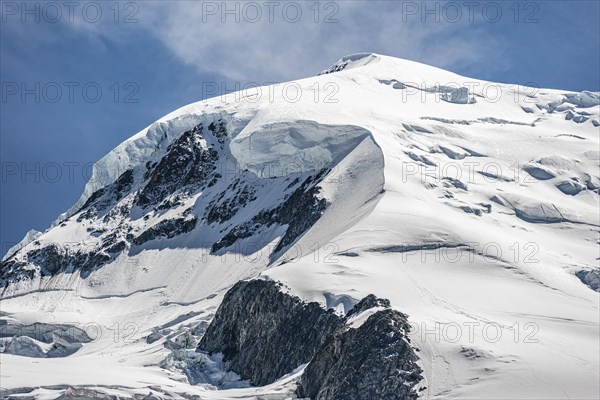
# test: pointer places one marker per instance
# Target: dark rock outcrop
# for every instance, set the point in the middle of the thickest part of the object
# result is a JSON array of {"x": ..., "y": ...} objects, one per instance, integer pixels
[
  {"x": 223, "y": 208},
  {"x": 14, "y": 270},
  {"x": 188, "y": 165},
  {"x": 373, "y": 361},
  {"x": 264, "y": 333},
  {"x": 168, "y": 228},
  {"x": 104, "y": 198},
  {"x": 367, "y": 303},
  {"x": 218, "y": 130},
  {"x": 301, "y": 209},
  {"x": 591, "y": 278},
  {"x": 52, "y": 259}
]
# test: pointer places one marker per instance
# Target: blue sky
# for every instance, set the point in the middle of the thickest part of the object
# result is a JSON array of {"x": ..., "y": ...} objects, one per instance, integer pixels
[{"x": 148, "y": 58}]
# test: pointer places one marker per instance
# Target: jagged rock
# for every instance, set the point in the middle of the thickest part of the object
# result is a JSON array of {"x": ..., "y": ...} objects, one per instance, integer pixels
[
  {"x": 220, "y": 210},
  {"x": 13, "y": 270},
  {"x": 103, "y": 198},
  {"x": 117, "y": 247},
  {"x": 368, "y": 302},
  {"x": 339, "y": 66},
  {"x": 218, "y": 130},
  {"x": 299, "y": 212},
  {"x": 264, "y": 333},
  {"x": 166, "y": 229},
  {"x": 189, "y": 162},
  {"x": 86, "y": 262},
  {"x": 373, "y": 361},
  {"x": 590, "y": 278},
  {"x": 186, "y": 167},
  {"x": 50, "y": 258}
]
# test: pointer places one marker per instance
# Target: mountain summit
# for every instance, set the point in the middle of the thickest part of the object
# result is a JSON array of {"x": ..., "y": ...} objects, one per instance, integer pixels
[{"x": 471, "y": 205}]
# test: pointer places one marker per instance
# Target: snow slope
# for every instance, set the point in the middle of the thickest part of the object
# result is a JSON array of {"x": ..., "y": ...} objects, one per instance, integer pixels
[{"x": 470, "y": 205}]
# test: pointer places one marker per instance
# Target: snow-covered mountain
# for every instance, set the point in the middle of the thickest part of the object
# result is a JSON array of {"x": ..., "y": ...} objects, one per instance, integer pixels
[{"x": 472, "y": 206}]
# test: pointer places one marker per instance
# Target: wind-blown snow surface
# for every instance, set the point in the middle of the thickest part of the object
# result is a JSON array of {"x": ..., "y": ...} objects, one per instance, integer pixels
[{"x": 470, "y": 205}]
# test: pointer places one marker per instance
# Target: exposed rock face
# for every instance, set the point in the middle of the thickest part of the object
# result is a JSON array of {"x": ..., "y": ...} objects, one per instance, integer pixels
[
  {"x": 53, "y": 259},
  {"x": 104, "y": 198},
  {"x": 167, "y": 229},
  {"x": 188, "y": 164},
  {"x": 373, "y": 361},
  {"x": 127, "y": 214},
  {"x": 49, "y": 257},
  {"x": 301, "y": 209},
  {"x": 368, "y": 302},
  {"x": 264, "y": 333},
  {"x": 590, "y": 278},
  {"x": 221, "y": 209}
]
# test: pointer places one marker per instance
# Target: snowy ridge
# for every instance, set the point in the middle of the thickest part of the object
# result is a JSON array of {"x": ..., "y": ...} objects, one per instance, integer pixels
[
  {"x": 352, "y": 61},
  {"x": 136, "y": 151},
  {"x": 143, "y": 145},
  {"x": 30, "y": 236}
]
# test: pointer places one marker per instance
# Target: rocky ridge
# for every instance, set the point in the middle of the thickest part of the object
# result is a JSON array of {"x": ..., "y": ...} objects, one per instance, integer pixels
[{"x": 264, "y": 333}]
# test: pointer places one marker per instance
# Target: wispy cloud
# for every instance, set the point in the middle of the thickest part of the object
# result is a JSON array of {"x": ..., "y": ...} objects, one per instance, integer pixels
[{"x": 280, "y": 49}]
